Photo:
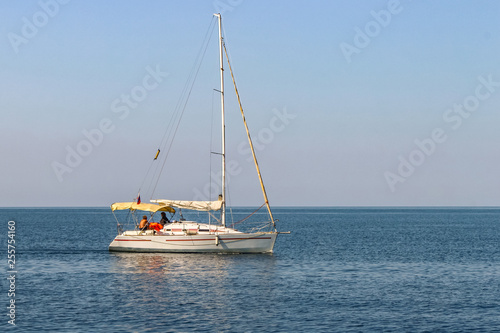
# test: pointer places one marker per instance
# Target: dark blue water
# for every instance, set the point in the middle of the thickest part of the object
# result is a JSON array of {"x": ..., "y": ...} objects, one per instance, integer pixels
[{"x": 341, "y": 270}]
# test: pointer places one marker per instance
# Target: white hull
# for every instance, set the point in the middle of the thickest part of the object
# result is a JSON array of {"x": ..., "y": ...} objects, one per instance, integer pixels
[{"x": 234, "y": 242}]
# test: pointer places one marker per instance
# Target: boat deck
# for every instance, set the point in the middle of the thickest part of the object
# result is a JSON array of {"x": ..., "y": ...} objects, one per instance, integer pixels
[{"x": 185, "y": 228}]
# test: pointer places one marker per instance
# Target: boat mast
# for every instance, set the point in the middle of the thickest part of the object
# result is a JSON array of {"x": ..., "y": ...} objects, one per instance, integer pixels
[{"x": 223, "y": 207}]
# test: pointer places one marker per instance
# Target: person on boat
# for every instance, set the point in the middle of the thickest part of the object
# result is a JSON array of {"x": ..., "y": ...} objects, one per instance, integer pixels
[
  {"x": 144, "y": 223},
  {"x": 155, "y": 226},
  {"x": 164, "y": 220}
]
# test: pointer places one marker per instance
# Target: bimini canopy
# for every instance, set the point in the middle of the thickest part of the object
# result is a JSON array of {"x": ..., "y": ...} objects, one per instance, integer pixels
[
  {"x": 142, "y": 206},
  {"x": 194, "y": 205}
]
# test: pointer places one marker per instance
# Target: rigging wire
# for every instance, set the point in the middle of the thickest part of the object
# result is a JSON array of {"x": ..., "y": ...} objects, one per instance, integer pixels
[
  {"x": 190, "y": 81},
  {"x": 173, "y": 125},
  {"x": 147, "y": 174},
  {"x": 250, "y": 140},
  {"x": 247, "y": 217}
]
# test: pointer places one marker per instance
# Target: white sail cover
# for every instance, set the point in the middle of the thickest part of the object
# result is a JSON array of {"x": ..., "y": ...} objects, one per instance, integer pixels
[{"x": 194, "y": 205}]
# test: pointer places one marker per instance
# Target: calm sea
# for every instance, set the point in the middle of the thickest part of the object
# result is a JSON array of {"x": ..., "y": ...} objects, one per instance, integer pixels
[{"x": 341, "y": 270}]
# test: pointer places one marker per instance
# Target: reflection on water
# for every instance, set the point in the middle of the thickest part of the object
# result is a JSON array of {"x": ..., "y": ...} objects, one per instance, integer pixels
[
  {"x": 193, "y": 273},
  {"x": 169, "y": 265},
  {"x": 183, "y": 265},
  {"x": 190, "y": 290}
]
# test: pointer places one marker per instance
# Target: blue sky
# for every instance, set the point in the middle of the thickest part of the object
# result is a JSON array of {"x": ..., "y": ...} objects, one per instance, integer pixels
[{"x": 351, "y": 103}]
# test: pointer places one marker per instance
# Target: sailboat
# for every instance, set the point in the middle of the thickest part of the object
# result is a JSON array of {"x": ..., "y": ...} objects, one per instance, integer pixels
[{"x": 188, "y": 236}]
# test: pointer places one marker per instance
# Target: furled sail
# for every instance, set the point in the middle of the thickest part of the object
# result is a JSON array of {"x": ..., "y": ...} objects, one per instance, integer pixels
[
  {"x": 142, "y": 206},
  {"x": 194, "y": 205}
]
